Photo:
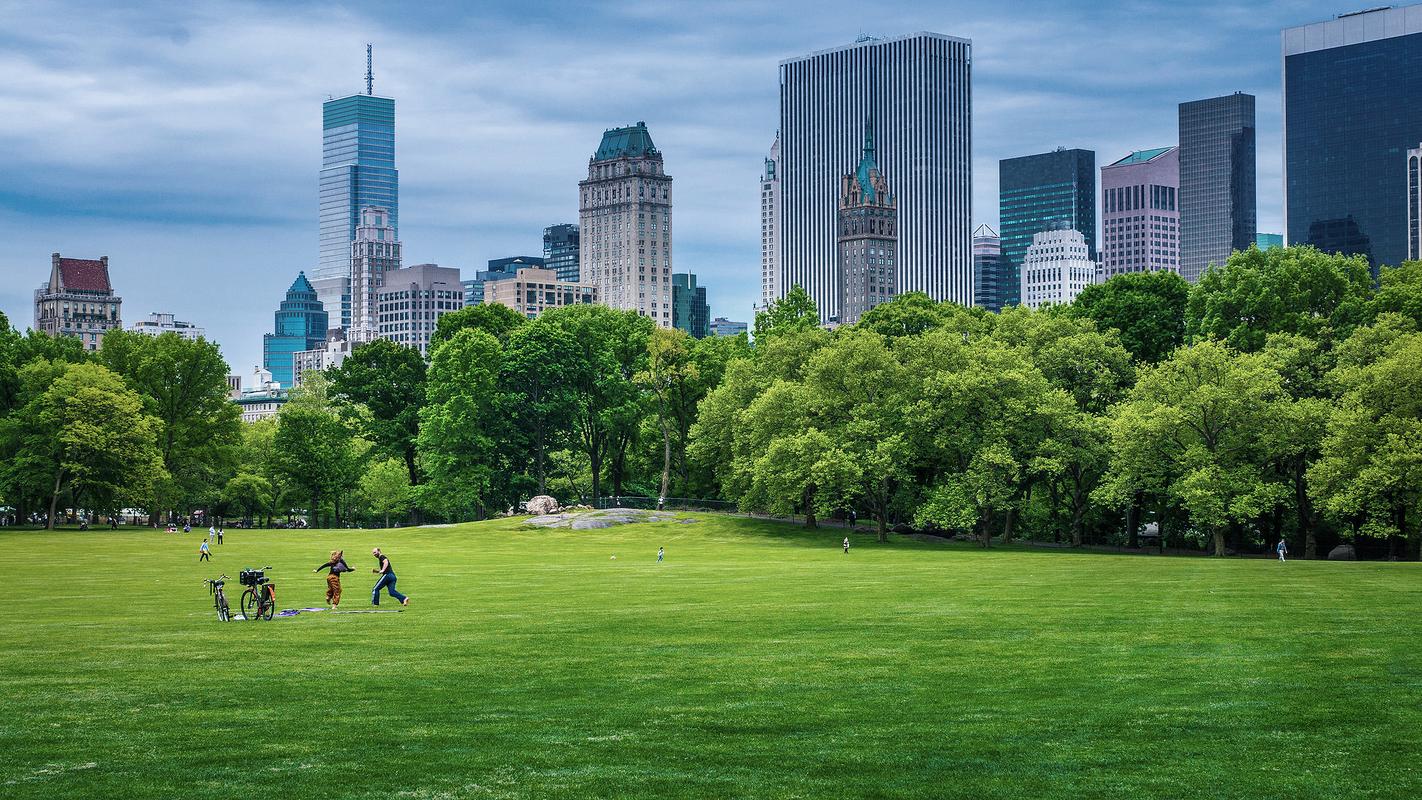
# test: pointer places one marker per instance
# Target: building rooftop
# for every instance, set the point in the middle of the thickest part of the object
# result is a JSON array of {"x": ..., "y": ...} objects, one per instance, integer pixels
[
  {"x": 84, "y": 274},
  {"x": 632, "y": 141},
  {"x": 1143, "y": 156}
]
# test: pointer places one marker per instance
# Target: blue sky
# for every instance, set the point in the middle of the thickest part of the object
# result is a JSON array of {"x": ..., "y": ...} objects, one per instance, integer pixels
[{"x": 183, "y": 139}]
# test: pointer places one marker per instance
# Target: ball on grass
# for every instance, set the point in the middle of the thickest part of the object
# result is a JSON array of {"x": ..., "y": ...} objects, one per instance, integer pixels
[{"x": 614, "y": 558}]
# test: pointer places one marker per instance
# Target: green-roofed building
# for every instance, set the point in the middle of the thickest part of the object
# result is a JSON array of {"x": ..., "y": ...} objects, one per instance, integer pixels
[
  {"x": 1140, "y": 213},
  {"x": 868, "y": 237},
  {"x": 624, "y": 224}
]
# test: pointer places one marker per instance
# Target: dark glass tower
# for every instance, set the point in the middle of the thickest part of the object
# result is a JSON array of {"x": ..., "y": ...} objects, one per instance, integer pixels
[
  {"x": 1044, "y": 192},
  {"x": 300, "y": 325},
  {"x": 560, "y": 250},
  {"x": 1351, "y": 111},
  {"x": 689, "y": 309},
  {"x": 1217, "y": 206}
]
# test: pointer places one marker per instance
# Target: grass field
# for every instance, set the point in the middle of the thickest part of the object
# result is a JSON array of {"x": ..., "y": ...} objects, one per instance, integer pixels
[{"x": 757, "y": 661}]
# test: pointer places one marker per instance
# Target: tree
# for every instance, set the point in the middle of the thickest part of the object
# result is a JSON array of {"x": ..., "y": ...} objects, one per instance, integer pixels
[
  {"x": 1281, "y": 290},
  {"x": 252, "y": 493},
  {"x": 495, "y": 319},
  {"x": 386, "y": 487},
  {"x": 1399, "y": 292},
  {"x": 1147, "y": 309},
  {"x": 1195, "y": 429},
  {"x": 537, "y": 375},
  {"x": 316, "y": 452},
  {"x": 793, "y": 312},
  {"x": 184, "y": 385},
  {"x": 667, "y": 375},
  {"x": 455, "y": 442},
  {"x": 913, "y": 314},
  {"x": 383, "y": 385},
  {"x": 80, "y": 431}
]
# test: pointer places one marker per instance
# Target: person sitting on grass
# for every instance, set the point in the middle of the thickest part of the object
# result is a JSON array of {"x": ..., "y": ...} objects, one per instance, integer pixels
[
  {"x": 336, "y": 565},
  {"x": 385, "y": 581}
]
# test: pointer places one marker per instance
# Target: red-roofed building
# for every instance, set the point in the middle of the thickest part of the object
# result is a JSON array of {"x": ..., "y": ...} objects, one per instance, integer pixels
[{"x": 78, "y": 301}]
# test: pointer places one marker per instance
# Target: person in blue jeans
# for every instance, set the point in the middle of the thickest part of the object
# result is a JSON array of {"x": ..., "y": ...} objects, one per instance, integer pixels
[{"x": 386, "y": 580}]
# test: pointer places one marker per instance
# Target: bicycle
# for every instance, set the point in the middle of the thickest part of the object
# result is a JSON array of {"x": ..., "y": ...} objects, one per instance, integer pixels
[
  {"x": 259, "y": 600},
  {"x": 219, "y": 598}
]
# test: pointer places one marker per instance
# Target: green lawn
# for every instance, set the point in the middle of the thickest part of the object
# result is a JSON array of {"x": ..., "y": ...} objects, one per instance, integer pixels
[{"x": 757, "y": 661}]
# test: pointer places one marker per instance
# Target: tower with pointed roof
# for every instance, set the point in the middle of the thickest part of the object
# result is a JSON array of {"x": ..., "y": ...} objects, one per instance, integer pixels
[
  {"x": 625, "y": 224},
  {"x": 78, "y": 300},
  {"x": 300, "y": 324},
  {"x": 868, "y": 236}
]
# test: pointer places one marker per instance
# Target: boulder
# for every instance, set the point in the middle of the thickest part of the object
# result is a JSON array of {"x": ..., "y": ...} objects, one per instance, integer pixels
[
  {"x": 1343, "y": 552},
  {"x": 587, "y": 524},
  {"x": 542, "y": 504},
  {"x": 546, "y": 521}
]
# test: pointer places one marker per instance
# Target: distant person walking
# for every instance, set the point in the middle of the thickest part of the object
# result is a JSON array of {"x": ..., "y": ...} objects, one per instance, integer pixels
[
  {"x": 386, "y": 580},
  {"x": 661, "y": 551},
  {"x": 336, "y": 565},
  {"x": 846, "y": 545},
  {"x": 1282, "y": 547},
  {"x": 203, "y": 554}
]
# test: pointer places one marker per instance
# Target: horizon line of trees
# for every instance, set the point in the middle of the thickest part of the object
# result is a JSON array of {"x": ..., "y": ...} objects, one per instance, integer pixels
[{"x": 1280, "y": 397}]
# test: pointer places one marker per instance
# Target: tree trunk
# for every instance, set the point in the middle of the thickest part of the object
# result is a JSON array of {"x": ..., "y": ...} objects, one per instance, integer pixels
[
  {"x": 1219, "y": 542},
  {"x": 985, "y": 528},
  {"x": 54, "y": 499},
  {"x": 666, "y": 461},
  {"x": 808, "y": 500},
  {"x": 1076, "y": 526},
  {"x": 1008, "y": 522},
  {"x": 883, "y": 526},
  {"x": 1133, "y": 516}
]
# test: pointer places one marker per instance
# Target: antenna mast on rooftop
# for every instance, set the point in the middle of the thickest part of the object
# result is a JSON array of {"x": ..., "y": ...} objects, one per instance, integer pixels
[{"x": 369, "y": 76}]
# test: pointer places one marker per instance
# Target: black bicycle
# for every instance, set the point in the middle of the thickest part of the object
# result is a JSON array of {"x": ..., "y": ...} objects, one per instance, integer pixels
[
  {"x": 259, "y": 600},
  {"x": 219, "y": 598}
]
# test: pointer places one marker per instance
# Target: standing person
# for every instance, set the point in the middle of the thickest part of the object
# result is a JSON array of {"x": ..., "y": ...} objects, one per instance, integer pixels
[
  {"x": 386, "y": 580},
  {"x": 219, "y": 536},
  {"x": 1282, "y": 547},
  {"x": 846, "y": 545},
  {"x": 203, "y": 554},
  {"x": 853, "y": 518},
  {"x": 336, "y": 565},
  {"x": 661, "y": 551}
]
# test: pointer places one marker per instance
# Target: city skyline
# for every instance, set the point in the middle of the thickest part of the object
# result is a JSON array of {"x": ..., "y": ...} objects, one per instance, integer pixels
[{"x": 150, "y": 179}]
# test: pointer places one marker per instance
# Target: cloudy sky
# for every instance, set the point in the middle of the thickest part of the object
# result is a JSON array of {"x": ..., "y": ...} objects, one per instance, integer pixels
[{"x": 183, "y": 140}]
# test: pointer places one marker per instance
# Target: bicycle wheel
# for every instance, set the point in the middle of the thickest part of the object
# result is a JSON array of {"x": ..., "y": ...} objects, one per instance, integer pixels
[
  {"x": 269, "y": 603},
  {"x": 249, "y": 604},
  {"x": 221, "y": 604}
]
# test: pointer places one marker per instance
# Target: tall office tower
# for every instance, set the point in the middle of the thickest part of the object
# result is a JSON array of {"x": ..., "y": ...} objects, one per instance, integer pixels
[
  {"x": 1056, "y": 268},
  {"x": 412, "y": 301},
  {"x": 1350, "y": 112},
  {"x": 357, "y": 172},
  {"x": 1217, "y": 207},
  {"x": 374, "y": 252},
  {"x": 690, "y": 311},
  {"x": 1043, "y": 192},
  {"x": 917, "y": 89},
  {"x": 78, "y": 300},
  {"x": 1268, "y": 241},
  {"x": 1140, "y": 213},
  {"x": 1414, "y": 204},
  {"x": 771, "y": 286},
  {"x": 300, "y": 325},
  {"x": 560, "y": 250},
  {"x": 625, "y": 218},
  {"x": 867, "y": 237},
  {"x": 988, "y": 291}
]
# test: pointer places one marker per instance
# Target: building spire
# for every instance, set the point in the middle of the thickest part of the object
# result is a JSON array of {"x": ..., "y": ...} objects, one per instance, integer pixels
[{"x": 369, "y": 75}]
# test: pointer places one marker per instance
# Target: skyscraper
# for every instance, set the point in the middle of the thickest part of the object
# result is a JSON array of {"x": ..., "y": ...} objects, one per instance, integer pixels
[
  {"x": 1043, "y": 192},
  {"x": 1351, "y": 111},
  {"x": 917, "y": 90},
  {"x": 1414, "y": 203},
  {"x": 772, "y": 286},
  {"x": 988, "y": 291},
  {"x": 625, "y": 222},
  {"x": 867, "y": 237},
  {"x": 1217, "y": 206},
  {"x": 1056, "y": 267},
  {"x": 357, "y": 171},
  {"x": 300, "y": 324},
  {"x": 78, "y": 300},
  {"x": 689, "y": 309},
  {"x": 560, "y": 250},
  {"x": 1140, "y": 213},
  {"x": 374, "y": 252},
  {"x": 412, "y": 301}
]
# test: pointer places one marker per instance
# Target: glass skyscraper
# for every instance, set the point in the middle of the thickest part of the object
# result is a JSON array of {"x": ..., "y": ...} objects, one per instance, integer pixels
[
  {"x": 988, "y": 291},
  {"x": 1217, "y": 205},
  {"x": 916, "y": 91},
  {"x": 1351, "y": 111},
  {"x": 689, "y": 309},
  {"x": 300, "y": 325},
  {"x": 560, "y": 250},
  {"x": 357, "y": 171},
  {"x": 1043, "y": 192}
]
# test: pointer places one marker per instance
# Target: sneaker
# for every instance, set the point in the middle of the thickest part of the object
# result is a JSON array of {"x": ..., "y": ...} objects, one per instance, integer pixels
[{"x": 405, "y": 602}]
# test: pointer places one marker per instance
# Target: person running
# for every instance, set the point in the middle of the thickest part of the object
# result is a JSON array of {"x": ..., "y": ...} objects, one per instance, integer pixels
[
  {"x": 1282, "y": 547},
  {"x": 846, "y": 545},
  {"x": 203, "y": 554},
  {"x": 661, "y": 551},
  {"x": 386, "y": 580},
  {"x": 336, "y": 565}
]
